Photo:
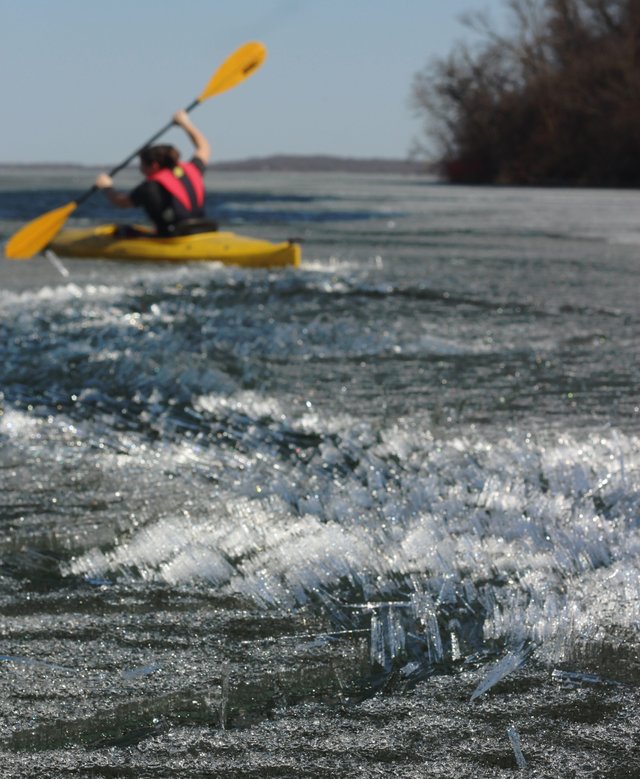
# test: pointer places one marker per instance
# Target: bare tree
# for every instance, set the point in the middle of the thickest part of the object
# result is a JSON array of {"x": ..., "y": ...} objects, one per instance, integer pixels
[{"x": 554, "y": 100}]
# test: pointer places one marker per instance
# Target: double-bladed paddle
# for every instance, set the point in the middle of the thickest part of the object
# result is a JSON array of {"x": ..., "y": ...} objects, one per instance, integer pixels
[{"x": 38, "y": 233}]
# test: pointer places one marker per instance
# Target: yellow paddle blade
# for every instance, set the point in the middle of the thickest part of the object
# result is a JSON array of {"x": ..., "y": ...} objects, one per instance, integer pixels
[
  {"x": 240, "y": 65},
  {"x": 38, "y": 233}
]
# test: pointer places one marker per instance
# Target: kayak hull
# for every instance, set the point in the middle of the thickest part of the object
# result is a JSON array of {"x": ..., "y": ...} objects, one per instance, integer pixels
[{"x": 102, "y": 243}]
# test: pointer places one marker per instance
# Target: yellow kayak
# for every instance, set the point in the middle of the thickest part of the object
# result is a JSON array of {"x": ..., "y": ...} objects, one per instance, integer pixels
[{"x": 229, "y": 248}]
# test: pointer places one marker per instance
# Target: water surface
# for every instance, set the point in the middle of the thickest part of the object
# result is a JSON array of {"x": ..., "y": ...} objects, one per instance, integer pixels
[{"x": 376, "y": 516}]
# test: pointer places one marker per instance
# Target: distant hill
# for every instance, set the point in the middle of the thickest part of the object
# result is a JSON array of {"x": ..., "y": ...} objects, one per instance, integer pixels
[
  {"x": 320, "y": 163},
  {"x": 12, "y": 166}
]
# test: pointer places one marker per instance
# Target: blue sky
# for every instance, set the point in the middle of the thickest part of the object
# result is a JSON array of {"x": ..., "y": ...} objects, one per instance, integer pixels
[{"x": 90, "y": 80}]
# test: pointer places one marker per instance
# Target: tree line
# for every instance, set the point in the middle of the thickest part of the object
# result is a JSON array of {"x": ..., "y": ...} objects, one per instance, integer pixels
[{"x": 554, "y": 100}]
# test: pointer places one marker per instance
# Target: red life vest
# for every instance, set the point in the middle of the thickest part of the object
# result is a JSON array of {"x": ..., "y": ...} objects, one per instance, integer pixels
[{"x": 185, "y": 185}]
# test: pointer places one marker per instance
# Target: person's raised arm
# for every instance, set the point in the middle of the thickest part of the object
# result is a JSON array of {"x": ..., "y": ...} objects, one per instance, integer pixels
[{"x": 201, "y": 144}]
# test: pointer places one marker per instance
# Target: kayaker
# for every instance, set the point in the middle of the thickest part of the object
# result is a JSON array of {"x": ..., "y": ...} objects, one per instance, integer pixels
[{"x": 173, "y": 193}]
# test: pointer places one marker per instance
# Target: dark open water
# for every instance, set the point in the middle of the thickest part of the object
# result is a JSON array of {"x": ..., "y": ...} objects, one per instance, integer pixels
[{"x": 378, "y": 516}]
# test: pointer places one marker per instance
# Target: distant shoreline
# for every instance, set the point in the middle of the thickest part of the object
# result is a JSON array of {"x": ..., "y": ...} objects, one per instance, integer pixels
[
  {"x": 319, "y": 163},
  {"x": 323, "y": 163}
]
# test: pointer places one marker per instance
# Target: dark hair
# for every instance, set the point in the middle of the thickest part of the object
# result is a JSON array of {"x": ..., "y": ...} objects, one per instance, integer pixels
[{"x": 166, "y": 156}]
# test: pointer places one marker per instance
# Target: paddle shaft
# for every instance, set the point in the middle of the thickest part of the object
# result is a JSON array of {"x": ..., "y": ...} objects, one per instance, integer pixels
[{"x": 132, "y": 156}]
